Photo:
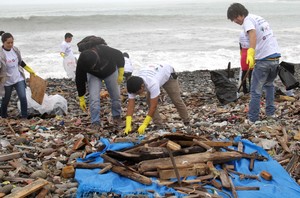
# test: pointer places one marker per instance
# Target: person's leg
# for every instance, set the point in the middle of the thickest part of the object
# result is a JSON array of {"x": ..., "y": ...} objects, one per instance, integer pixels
[
  {"x": 21, "y": 92},
  {"x": 270, "y": 89},
  {"x": 259, "y": 77},
  {"x": 114, "y": 92},
  {"x": 94, "y": 87},
  {"x": 173, "y": 91},
  {"x": 5, "y": 100}
]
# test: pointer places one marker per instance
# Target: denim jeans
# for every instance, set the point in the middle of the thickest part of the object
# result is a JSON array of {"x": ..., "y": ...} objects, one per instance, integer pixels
[
  {"x": 94, "y": 87},
  {"x": 20, "y": 88},
  {"x": 263, "y": 77}
]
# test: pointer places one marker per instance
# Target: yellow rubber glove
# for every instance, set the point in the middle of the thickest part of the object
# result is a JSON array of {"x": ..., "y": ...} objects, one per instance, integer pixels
[
  {"x": 251, "y": 58},
  {"x": 82, "y": 103},
  {"x": 128, "y": 125},
  {"x": 62, "y": 54},
  {"x": 121, "y": 74},
  {"x": 27, "y": 68},
  {"x": 143, "y": 127}
]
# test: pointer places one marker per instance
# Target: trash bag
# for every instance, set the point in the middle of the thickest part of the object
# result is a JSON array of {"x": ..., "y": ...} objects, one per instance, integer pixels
[
  {"x": 70, "y": 64},
  {"x": 226, "y": 90},
  {"x": 286, "y": 74},
  {"x": 89, "y": 42},
  {"x": 52, "y": 105}
]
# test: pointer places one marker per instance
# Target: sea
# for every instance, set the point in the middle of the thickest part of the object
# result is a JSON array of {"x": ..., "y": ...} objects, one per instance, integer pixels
[{"x": 188, "y": 34}]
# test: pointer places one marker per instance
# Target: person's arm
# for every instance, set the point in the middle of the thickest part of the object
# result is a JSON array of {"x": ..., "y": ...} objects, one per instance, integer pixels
[
  {"x": 27, "y": 68},
  {"x": 153, "y": 105},
  {"x": 251, "y": 51},
  {"x": 130, "y": 110},
  {"x": 252, "y": 38}
]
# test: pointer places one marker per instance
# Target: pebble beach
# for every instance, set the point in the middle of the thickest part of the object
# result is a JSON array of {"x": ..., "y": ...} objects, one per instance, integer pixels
[{"x": 47, "y": 141}]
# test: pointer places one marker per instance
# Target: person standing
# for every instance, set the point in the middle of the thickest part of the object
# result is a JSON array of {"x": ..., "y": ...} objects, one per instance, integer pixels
[
  {"x": 150, "y": 79},
  {"x": 99, "y": 63},
  {"x": 128, "y": 69},
  {"x": 66, "y": 53},
  {"x": 263, "y": 55},
  {"x": 12, "y": 75},
  {"x": 244, "y": 46}
]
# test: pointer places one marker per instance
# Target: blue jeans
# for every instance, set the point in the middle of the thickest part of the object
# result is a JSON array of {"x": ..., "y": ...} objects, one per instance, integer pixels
[
  {"x": 94, "y": 86},
  {"x": 263, "y": 77},
  {"x": 20, "y": 88}
]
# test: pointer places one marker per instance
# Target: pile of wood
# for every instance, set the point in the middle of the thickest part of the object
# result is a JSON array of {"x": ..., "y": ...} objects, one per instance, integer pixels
[{"x": 176, "y": 155}]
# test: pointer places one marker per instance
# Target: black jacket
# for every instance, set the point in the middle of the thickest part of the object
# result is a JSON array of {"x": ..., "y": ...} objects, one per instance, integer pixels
[{"x": 108, "y": 60}]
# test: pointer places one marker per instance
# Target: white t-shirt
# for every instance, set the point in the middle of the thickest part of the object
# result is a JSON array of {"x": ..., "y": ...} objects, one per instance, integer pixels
[
  {"x": 128, "y": 65},
  {"x": 266, "y": 43},
  {"x": 244, "y": 40},
  {"x": 66, "y": 48},
  {"x": 154, "y": 76},
  {"x": 12, "y": 68}
]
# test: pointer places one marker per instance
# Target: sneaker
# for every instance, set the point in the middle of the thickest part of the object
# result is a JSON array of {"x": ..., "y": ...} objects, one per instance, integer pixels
[
  {"x": 95, "y": 127},
  {"x": 117, "y": 121}
]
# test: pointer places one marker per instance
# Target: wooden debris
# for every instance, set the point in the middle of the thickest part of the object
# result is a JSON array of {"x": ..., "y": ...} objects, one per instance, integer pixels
[
  {"x": 29, "y": 189},
  {"x": 6, "y": 157},
  {"x": 266, "y": 175}
]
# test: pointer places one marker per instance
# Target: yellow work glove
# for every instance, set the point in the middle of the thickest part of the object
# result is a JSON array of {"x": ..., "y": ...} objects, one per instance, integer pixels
[
  {"x": 82, "y": 103},
  {"x": 128, "y": 125},
  {"x": 143, "y": 127},
  {"x": 62, "y": 54},
  {"x": 251, "y": 58},
  {"x": 27, "y": 68},
  {"x": 121, "y": 74}
]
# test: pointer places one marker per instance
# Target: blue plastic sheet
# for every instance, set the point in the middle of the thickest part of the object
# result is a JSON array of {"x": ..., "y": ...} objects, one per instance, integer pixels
[{"x": 282, "y": 185}]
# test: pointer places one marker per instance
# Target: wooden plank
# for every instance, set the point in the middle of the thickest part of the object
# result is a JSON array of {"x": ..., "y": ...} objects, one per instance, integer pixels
[
  {"x": 38, "y": 88},
  {"x": 198, "y": 170},
  {"x": 6, "y": 157},
  {"x": 27, "y": 190}
]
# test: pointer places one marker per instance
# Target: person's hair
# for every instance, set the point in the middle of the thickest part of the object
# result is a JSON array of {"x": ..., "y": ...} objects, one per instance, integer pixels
[
  {"x": 6, "y": 36},
  {"x": 125, "y": 54},
  {"x": 68, "y": 35},
  {"x": 1, "y": 32},
  {"x": 235, "y": 10},
  {"x": 134, "y": 84}
]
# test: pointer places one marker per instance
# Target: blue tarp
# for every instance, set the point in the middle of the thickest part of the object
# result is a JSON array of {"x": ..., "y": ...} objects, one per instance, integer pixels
[{"x": 282, "y": 185}]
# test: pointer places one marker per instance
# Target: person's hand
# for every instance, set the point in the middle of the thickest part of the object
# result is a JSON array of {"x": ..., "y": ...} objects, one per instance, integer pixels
[
  {"x": 63, "y": 55},
  {"x": 27, "y": 68},
  {"x": 128, "y": 125},
  {"x": 82, "y": 103},
  {"x": 143, "y": 127},
  {"x": 251, "y": 58},
  {"x": 121, "y": 74}
]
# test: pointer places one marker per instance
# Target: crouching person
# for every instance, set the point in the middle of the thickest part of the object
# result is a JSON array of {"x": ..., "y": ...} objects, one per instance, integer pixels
[
  {"x": 150, "y": 79},
  {"x": 94, "y": 65}
]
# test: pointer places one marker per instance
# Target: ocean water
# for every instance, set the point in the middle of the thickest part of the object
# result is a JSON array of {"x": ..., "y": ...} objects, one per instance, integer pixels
[{"x": 189, "y": 34}]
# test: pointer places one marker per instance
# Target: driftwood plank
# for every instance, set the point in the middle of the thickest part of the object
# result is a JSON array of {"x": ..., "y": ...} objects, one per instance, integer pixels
[
  {"x": 165, "y": 163},
  {"x": 27, "y": 190},
  {"x": 6, "y": 157}
]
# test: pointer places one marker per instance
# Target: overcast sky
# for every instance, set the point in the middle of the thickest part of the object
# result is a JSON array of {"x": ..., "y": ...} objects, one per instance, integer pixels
[{"x": 2, "y": 2}]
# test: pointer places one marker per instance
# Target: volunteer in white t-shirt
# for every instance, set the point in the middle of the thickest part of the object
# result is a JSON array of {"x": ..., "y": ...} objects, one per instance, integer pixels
[
  {"x": 263, "y": 55},
  {"x": 150, "y": 79},
  {"x": 65, "y": 46}
]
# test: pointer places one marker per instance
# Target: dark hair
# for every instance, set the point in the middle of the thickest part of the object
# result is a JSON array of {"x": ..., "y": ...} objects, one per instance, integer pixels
[
  {"x": 134, "y": 84},
  {"x": 235, "y": 10},
  {"x": 68, "y": 35},
  {"x": 6, "y": 36},
  {"x": 125, "y": 54},
  {"x": 1, "y": 32}
]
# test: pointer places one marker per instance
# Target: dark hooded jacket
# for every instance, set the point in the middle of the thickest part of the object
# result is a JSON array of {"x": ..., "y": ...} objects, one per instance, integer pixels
[{"x": 101, "y": 61}]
